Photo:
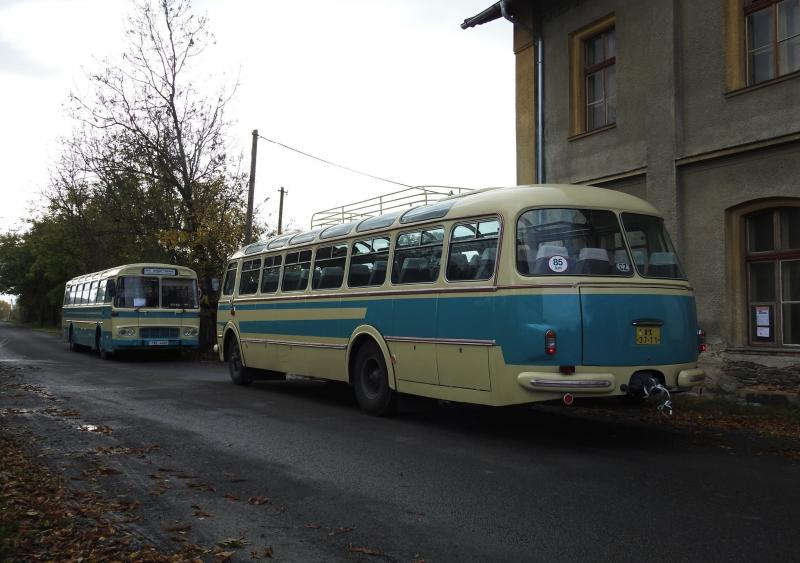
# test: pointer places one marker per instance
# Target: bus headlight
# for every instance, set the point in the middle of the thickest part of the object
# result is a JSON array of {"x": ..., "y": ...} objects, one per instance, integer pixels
[
  {"x": 126, "y": 332},
  {"x": 190, "y": 331}
]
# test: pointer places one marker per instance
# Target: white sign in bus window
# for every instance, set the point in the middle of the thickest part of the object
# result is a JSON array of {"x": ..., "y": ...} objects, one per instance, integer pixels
[
  {"x": 139, "y": 301},
  {"x": 762, "y": 316},
  {"x": 557, "y": 264}
]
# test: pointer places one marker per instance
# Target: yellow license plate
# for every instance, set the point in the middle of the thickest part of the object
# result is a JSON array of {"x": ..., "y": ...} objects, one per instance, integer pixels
[{"x": 646, "y": 335}]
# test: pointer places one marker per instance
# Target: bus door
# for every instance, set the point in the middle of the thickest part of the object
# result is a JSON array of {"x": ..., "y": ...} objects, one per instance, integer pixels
[
  {"x": 225, "y": 309},
  {"x": 638, "y": 326}
]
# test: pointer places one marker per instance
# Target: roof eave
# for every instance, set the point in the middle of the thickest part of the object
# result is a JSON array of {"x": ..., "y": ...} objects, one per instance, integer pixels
[{"x": 491, "y": 13}]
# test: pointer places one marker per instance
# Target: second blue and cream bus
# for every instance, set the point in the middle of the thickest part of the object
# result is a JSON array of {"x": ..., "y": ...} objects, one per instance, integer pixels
[
  {"x": 132, "y": 307},
  {"x": 501, "y": 296}
]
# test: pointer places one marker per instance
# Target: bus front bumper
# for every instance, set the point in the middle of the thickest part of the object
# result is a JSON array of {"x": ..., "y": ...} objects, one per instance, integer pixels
[{"x": 156, "y": 344}]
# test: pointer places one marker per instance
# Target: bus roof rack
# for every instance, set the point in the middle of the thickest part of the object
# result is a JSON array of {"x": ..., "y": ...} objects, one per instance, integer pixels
[{"x": 394, "y": 201}]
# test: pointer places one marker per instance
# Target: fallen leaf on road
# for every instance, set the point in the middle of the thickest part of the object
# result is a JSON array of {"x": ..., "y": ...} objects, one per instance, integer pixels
[
  {"x": 362, "y": 549},
  {"x": 223, "y": 556},
  {"x": 178, "y": 528},
  {"x": 202, "y": 487},
  {"x": 233, "y": 542},
  {"x": 230, "y": 496},
  {"x": 258, "y": 500},
  {"x": 200, "y": 513}
]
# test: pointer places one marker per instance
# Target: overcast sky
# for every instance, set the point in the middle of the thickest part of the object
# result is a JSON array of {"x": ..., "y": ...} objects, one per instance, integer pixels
[{"x": 393, "y": 88}]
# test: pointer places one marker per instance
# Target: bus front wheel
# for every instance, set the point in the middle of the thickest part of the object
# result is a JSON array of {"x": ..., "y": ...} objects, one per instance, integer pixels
[
  {"x": 240, "y": 374},
  {"x": 371, "y": 381}
]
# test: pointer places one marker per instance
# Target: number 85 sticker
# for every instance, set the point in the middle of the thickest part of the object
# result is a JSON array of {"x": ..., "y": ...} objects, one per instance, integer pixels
[{"x": 558, "y": 264}]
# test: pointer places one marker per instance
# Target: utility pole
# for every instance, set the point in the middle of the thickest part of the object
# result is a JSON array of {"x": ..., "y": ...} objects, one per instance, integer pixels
[
  {"x": 280, "y": 209},
  {"x": 248, "y": 229}
]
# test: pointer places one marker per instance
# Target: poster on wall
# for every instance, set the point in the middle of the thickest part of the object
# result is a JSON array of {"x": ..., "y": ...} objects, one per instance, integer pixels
[
  {"x": 762, "y": 317},
  {"x": 762, "y": 331}
]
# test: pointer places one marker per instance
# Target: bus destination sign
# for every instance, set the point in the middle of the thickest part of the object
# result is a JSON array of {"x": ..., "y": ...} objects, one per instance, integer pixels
[{"x": 159, "y": 272}]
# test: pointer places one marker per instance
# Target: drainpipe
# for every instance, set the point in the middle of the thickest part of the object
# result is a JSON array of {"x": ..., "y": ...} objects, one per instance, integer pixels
[{"x": 538, "y": 94}]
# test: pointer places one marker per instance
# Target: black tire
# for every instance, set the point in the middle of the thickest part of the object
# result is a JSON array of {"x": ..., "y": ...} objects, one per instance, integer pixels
[
  {"x": 240, "y": 375},
  {"x": 371, "y": 381}
]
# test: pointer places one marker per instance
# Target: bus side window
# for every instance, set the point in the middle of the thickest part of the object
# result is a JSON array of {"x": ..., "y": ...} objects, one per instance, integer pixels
[
  {"x": 85, "y": 293},
  {"x": 66, "y": 296},
  {"x": 248, "y": 279},
  {"x": 101, "y": 292},
  {"x": 230, "y": 279},
  {"x": 329, "y": 267},
  {"x": 368, "y": 262},
  {"x": 473, "y": 251},
  {"x": 296, "y": 270},
  {"x": 271, "y": 274},
  {"x": 417, "y": 256},
  {"x": 111, "y": 291}
]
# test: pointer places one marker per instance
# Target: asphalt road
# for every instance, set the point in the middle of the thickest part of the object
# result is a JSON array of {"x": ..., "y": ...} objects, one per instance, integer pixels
[{"x": 439, "y": 483}]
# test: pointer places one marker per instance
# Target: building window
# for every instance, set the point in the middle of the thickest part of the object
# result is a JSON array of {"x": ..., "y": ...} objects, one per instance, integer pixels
[
  {"x": 593, "y": 77},
  {"x": 772, "y": 38},
  {"x": 600, "y": 85},
  {"x": 773, "y": 276}
]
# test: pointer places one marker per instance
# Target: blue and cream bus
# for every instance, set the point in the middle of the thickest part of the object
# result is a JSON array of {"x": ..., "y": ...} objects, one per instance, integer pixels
[
  {"x": 132, "y": 307},
  {"x": 501, "y": 296}
]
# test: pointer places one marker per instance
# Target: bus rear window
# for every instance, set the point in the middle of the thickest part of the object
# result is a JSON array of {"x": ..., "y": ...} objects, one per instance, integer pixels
[
  {"x": 564, "y": 242},
  {"x": 651, "y": 247}
]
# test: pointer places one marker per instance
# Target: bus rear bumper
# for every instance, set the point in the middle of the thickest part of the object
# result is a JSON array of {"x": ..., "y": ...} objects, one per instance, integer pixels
[
  {"x": 691, "y": 377},
  {"x": 583, "y": 383}
]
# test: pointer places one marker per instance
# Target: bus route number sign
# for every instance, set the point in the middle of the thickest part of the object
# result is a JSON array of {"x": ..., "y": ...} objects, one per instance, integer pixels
[
  {"x": 159, "y": 272},
  {"x": 648, "y": 335}
]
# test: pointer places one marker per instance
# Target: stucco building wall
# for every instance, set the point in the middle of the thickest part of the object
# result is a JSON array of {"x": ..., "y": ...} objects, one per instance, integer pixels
[{"x": 700, "y": 146}]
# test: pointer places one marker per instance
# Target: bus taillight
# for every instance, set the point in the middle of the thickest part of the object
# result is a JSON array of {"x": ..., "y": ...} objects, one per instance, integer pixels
[
  {"x": 550, "y": 342},
  {"x": 701, "y": 340}
]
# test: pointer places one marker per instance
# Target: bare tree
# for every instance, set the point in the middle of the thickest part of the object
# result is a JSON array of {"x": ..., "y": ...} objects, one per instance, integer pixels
[{"x": 145, "y": 120}]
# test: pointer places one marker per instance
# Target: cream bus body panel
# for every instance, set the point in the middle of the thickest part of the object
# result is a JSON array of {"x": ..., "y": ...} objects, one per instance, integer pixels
[{"x": 478, "y": 341}]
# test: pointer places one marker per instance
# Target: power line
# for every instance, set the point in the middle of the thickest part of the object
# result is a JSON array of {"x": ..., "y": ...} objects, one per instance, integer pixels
[{"x": 353, "y": 170}]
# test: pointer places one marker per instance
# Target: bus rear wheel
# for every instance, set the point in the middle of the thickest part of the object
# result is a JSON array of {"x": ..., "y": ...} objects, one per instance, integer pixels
[
  {"x": 371, "y": 381},
  {"x": 240, "y": 374}
]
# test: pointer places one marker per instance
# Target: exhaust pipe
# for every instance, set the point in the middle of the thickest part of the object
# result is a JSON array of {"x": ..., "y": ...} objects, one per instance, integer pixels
[{"x": 641, "y": 384}]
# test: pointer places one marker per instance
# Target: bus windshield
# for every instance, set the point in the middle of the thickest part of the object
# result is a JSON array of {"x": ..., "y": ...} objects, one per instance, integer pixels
[
  {"x": 143, "y": 291},
  {"x": 137, "y": 291},
  {"x": 178, "y": 293}
]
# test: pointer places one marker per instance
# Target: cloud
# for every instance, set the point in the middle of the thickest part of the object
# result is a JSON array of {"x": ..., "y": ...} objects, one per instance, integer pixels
[{"x": 15, "y": 61}]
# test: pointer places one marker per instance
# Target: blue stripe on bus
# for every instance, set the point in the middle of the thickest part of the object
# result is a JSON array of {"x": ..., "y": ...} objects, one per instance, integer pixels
[{"x": 517, "y": 323}]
